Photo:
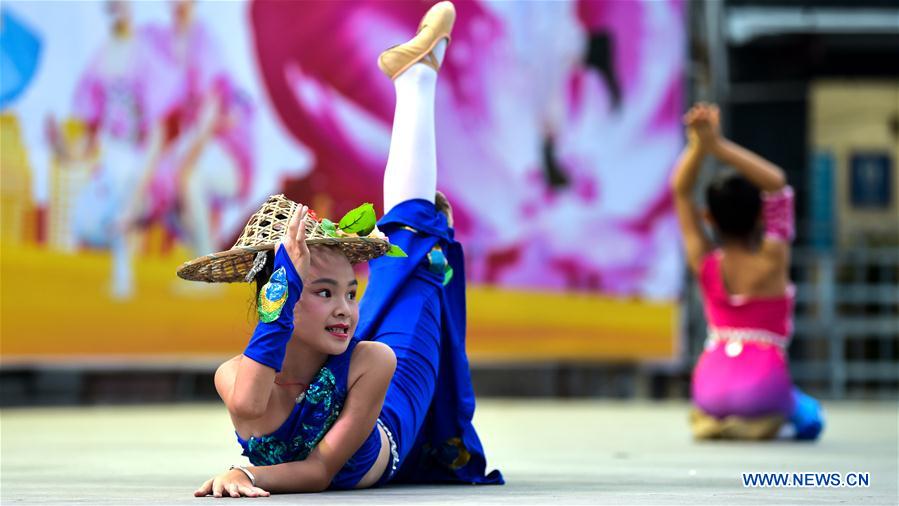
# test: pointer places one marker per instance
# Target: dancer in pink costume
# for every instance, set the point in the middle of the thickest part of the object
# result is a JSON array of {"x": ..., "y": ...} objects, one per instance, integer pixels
[
  {"x": 120, "y": 102},
  {"x": 208, "y": 158},
  {"x": 741, "y": 384}
]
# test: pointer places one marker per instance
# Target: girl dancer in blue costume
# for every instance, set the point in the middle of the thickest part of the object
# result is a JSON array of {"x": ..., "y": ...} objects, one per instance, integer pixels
[{"x": 318, "y": 402}]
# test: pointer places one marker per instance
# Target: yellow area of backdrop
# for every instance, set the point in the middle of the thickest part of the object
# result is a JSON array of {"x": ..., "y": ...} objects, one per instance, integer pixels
[{"x": 55, "y": 307}]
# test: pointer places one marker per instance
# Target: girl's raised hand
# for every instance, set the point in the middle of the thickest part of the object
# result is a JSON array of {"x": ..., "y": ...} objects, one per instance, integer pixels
[
  {"x": 294, "y": 241},
  {"x": 703, "y": 125}
]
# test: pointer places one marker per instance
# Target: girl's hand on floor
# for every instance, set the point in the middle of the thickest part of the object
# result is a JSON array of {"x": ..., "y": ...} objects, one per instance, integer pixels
[{"x": 233, "y": 483}]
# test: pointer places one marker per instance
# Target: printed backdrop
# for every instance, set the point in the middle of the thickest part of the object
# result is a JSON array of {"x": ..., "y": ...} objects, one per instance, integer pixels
[{"x": 138, "y": 135}]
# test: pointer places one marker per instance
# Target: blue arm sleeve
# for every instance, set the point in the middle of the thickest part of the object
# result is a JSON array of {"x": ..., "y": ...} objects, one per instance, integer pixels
[{"x": 269, "y": 342}]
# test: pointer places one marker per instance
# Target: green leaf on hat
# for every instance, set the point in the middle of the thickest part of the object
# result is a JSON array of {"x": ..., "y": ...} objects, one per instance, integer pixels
[
  {"x": 329, "y": 228},
  {"x": 396, "y": 251},
  {"x": 359, "y": 221}
]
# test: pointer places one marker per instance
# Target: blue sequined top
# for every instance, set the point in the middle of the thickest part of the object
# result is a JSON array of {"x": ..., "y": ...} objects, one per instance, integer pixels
[{"x": 310, "y": 420}]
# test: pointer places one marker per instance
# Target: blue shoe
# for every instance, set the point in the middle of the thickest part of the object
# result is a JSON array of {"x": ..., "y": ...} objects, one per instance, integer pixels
[{"x": 808, "y": 418}]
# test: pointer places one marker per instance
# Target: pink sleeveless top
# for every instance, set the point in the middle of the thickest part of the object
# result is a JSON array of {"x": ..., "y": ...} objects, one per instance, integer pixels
[
  {"x": 743, "y": 370},
  {"x": 763, "y": 316}
]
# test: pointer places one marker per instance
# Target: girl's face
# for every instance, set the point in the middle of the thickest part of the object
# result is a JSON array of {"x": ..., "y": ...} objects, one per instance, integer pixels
[
  {"x": 119, "y": 12},
  {"x": 182, "y": 12},
  {"x": 327, "y": 312}
]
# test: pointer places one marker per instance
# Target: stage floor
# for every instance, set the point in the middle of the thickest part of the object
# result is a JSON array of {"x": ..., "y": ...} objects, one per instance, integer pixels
[{"x": 578, "y": 452}]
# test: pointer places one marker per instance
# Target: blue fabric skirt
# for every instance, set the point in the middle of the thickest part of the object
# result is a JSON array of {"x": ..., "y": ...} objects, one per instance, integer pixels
[
  {"x": 420, "y": 313},
  {"x": 412, "y": 330}
]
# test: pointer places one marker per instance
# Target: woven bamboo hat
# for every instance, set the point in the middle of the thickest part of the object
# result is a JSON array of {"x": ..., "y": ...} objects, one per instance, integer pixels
[{"x": 264, "y": 231}]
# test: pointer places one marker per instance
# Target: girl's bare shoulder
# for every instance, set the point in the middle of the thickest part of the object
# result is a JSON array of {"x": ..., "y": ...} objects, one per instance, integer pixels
[
  {"x": 372, "y": 356},
  {"x": 373, "y": 351}
]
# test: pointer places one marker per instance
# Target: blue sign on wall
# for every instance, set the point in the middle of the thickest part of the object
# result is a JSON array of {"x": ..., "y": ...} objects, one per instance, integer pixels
[
  {"x": 871, "y": 180},
  {"x": 820, "y": 199}
]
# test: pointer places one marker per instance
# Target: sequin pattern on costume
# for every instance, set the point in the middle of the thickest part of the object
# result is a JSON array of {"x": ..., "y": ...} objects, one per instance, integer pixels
[
  {"x": 438, "y": 264},
  {"x": 273, "y": 296},
  {"x": 452, "y": 454},
  {"x": 319, "y": 410}
]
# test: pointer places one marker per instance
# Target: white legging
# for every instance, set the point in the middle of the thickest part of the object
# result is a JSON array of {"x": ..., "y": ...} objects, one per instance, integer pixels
[{"x": 411, "y": 171}]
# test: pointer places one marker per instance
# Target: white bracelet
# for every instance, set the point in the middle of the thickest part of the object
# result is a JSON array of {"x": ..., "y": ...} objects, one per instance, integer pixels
[{"x": 246, "y": 472}]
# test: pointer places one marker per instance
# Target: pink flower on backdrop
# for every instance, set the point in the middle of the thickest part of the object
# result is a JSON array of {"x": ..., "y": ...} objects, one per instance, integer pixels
[{"x": 557, "y": 126}]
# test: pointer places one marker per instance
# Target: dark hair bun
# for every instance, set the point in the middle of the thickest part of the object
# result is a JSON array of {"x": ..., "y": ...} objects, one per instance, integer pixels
[{"x": 735, "y": 205}]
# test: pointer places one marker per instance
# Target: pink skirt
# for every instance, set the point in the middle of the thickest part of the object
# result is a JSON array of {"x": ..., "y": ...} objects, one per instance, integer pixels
[{"x": 746, "y": 379}]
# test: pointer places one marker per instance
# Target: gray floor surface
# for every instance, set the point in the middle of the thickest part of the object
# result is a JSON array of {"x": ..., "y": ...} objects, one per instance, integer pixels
[{"x": 551, "y": 452}]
